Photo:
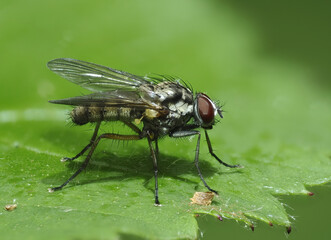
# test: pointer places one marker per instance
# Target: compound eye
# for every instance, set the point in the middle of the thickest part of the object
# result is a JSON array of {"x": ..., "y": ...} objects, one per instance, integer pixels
[{"x": 206, "y": 109}]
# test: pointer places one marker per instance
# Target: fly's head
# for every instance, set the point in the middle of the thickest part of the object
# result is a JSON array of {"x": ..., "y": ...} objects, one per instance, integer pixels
[{"x": 205, "y": 111}]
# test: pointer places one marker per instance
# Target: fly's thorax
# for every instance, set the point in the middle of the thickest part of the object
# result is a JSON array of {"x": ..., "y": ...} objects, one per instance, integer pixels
[
  {"x": 171, "y": 96},
  {"x": 180, "y": 109},
  {"x": 165, "y": 92},
  {"x": 174, "y": 97},
  {"x": 85, "y": 114}
]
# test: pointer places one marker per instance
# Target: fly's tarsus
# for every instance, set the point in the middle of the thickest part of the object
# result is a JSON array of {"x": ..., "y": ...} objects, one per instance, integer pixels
[
  {"x": 67, "y": 159},
  {"x": 215, "y": 156}
]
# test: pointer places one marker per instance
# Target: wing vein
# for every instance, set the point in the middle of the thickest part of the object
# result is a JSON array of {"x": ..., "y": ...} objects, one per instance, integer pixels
[{"x": 95, "y": 77}]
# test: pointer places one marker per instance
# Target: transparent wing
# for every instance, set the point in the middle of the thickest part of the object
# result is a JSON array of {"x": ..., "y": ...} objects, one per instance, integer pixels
[
  {"x": 95, "y": 77},
  {"x": 116, "y": 98}
]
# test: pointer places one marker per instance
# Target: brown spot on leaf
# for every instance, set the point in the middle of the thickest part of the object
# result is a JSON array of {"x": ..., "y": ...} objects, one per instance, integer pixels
[
  {"x": 10, "y": 207},
  {"x": 202, "y": 198}
]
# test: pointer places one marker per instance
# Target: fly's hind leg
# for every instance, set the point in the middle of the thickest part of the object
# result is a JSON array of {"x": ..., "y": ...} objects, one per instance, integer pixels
[
  {"x": 93, "y": 146},
  {"x": 65, "y": 159}
]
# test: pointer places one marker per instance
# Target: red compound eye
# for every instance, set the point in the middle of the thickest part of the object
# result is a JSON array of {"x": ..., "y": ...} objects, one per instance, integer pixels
[{"x": 206, "y": 109}]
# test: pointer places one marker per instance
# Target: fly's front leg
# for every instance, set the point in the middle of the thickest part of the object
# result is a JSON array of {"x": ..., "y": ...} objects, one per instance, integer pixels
[
  {"x": 187, "y": 133},
  {"x": 153, "y": 154},
  {"x": 214, "y": 155},
  {"x": 65, "y": 159},
  {"x": 93, "y": 146}
]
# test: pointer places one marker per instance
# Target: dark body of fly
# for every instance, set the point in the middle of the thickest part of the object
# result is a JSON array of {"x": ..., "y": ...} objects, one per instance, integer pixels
[
  {"x": 176, "y": 101},
  {"x": 164, "y": 105}
]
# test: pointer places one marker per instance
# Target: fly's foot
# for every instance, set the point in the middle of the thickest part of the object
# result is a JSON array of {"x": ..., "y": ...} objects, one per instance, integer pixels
[
  {"x": 212, "y": 190},
  {"x": 157, "y": 203},
  {"x": 54, "y": 189},
  {"x": 66, "y": 159},
  {"x": 236, "y": 166}
]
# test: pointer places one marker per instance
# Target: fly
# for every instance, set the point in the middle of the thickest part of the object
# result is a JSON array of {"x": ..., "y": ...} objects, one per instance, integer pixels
[{"x": 165, "y": 106}]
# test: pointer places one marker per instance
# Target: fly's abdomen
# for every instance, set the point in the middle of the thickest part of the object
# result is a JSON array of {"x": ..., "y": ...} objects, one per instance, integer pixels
[{"x": 82, "y": 115}]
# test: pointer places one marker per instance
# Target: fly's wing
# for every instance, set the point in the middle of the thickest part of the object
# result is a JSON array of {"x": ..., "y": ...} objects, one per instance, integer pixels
[
  {"x": 95, "y": 77},
  {"x": 116, "y": 98}
]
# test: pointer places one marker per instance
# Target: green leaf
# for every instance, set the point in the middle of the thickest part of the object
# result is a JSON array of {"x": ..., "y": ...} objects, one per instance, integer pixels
[
  {"x": 115, "y": 195},
  {"x": 276, "y": 123}
]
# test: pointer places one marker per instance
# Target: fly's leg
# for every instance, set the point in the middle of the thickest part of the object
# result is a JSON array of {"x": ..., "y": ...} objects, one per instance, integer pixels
[
  {"x": 137, "y": 130},
  {"x": 197, "y": 150},
  {"x": 65, "y": 159},
  {"x": 196, "y": 161},
  {"x": 149, "y": 139},
  {"x": 93, "y": 146},
  {"x": 217, "y": 158},
  {"x": 132, "y": 126},
  {"x": 156, "y": 148}
]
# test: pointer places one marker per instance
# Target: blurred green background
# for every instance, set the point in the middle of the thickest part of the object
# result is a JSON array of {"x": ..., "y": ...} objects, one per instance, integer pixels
[{"x": 254, "y": 56}]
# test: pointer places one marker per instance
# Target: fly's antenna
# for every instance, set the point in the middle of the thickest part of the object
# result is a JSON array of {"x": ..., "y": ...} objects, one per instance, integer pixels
[
  {"x": 219, "y": 111},
  {"x": 219, "y": 107}
]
